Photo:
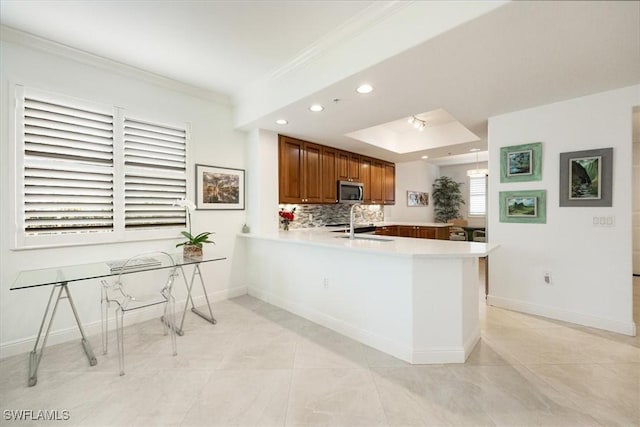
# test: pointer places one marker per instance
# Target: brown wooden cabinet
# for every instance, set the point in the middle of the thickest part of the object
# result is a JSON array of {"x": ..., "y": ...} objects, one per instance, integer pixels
[
  {"x": 329, "y": 175},
  {"x": 299, "y": 171},
  {"x": 312, "y": 173},
  {"x": 377, "y": 181},
  {"x": 389, "y": 183},
  {"x": 415, "y": 231},
  {"x": 309, "y": 172},
  {"x": 365, "y": 177},
  {"x": 348, "y": 166},
  {"x": 290, "y": 158},
  {"x": 354, "y": 167},
  {"x": 388, "y": 230}
]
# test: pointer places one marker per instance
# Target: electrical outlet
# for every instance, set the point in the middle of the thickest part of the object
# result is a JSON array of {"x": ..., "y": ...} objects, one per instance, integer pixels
[
  {"x": 325, "y": 283},
  {"x": 310, "y": 217},
  {"x": 547, "y": 277},
  {"x": 604, "y": 221}
]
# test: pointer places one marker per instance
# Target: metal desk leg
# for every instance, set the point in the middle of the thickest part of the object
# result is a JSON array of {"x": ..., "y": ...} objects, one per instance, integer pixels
[
  {"x": 210, "y": 318},
  {"x": 38, "y": 350}
]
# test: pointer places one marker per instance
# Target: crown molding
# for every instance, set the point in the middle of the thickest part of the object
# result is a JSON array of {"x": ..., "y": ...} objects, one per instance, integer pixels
[
  {"x": 356, "y": 25},
  {"x": 12, "y": 35}
]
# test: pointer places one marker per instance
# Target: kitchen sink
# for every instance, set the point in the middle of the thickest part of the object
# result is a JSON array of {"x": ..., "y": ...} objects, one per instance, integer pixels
[{"x": 367, "y": 237}]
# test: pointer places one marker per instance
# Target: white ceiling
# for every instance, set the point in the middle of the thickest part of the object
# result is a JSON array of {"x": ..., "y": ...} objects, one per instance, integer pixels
[
  {"x": 220, "y": 46},
  {"x": 401, "y": 136},
  {"x": 274, "y": 58}
]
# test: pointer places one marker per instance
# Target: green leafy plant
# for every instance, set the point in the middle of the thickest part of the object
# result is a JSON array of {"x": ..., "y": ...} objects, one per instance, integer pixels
[
  {"x": 447, "y": 199},
  {"x": 201, "y": 238},
  {"x": 196, "y": 240}
]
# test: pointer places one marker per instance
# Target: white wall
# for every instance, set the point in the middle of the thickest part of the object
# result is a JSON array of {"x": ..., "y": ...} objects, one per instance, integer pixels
[
  {"x": 590, "y": 266},
  {"x": 213, "y": 142},
  {"x": 263, "y": 181},
  {"x": 412, "y": 176},
  {"x": 459, "y": 174}
]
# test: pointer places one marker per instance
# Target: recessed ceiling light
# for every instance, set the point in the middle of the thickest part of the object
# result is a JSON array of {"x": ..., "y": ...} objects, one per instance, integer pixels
[
  {"x": 473, "y": 150},
  {"x": 281, "y": 122},
  {"x": 316, "y": 108},
  {"x": 424, "y": 157},
  {"x": 365, "y": 88}
]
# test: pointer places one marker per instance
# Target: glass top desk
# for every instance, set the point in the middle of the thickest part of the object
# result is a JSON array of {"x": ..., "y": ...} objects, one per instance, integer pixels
[{"x": 60, "y": 277}]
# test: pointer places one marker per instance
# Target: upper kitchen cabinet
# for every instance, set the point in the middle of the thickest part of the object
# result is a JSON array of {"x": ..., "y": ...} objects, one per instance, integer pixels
[
  {"x": 329, "y": 175},
  {"x": 377, "y": 181},
  {"x": 299, "y": 171},
  {"x": 309, "y": 173},
  {"x": 348, "y": 166},
  {"x": 389, "y": 184},
  {"x": 365, "y": 177}
]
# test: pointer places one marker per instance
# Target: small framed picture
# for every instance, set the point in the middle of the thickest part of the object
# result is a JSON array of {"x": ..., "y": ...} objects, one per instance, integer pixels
[
  {"x": 523, "y": 206},
  {"x": 586, "y": 178},
  {"x": 521, "y": 163},
  {"x": 219, "y": 188},
  {"x": 417, "y": 199}
]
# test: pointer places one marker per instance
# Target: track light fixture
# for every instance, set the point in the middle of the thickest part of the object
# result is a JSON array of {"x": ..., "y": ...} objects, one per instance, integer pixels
[{"x": 417, "y": 123}]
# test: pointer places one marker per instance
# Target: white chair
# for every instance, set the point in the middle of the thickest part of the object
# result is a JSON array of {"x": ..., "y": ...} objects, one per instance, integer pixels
[
  {"x": 118, "y": 294},
  {"x": 457, "y": 233},
  {"x": 479, "y": 236}
]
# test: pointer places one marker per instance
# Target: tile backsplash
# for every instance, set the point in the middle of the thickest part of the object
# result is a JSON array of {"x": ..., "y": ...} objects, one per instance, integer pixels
[{"x": 307, "y": 216}]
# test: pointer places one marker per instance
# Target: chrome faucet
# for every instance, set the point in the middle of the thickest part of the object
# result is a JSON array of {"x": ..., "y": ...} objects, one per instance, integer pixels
[{"x": 351, "y": 232}]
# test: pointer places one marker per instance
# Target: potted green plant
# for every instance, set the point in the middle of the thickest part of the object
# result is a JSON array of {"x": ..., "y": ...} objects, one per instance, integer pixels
[
  {"x": 447, "y": 199},
  {"x": 193, "y": 246}
]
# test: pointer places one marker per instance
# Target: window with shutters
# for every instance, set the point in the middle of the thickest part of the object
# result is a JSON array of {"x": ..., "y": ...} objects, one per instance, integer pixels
[
  {"x": 89, "y": 173},
  {"x": 477, "y": 195}
]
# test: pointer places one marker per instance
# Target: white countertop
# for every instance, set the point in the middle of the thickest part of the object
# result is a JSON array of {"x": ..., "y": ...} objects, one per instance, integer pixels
[{"x": 391, "y": 245}]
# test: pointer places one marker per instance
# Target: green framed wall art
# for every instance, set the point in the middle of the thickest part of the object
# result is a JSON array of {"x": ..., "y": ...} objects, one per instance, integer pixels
[
  {"x": 519, "y": 163},
  {"x": 528, "y": 206}
]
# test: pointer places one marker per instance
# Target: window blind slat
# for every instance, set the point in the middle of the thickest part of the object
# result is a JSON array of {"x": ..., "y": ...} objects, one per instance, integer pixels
[
  {"x": 149, "y": 197},
  {"x": 51, "y": 107}
]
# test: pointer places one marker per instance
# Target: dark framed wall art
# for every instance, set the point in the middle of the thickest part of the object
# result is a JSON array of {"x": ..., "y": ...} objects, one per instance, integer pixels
[
  {"x": 529, "y": 207},
  {"x": 520, "y": 163},
  {"x": 586, "y": 178},
  {"x": 219, "y": 188}
]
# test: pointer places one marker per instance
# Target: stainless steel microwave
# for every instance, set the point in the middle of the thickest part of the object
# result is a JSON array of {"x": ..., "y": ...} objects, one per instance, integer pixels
[{"x": 350, "y": 192}]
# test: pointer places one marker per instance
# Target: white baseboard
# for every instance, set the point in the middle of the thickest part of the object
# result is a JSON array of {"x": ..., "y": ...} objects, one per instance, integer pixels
[
  {"x": 354, "y": 332},
  {"x": 24, "y": 345},
  {"x": 436, "y": 355},
  {"x": 564, "y": 315},
  {"x": 398, "y": 350}
]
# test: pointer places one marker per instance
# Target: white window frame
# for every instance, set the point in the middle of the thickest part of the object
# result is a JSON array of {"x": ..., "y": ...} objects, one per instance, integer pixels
[
  {"x": 483, "y": 194},
  {"x": 23, "y": 240}
]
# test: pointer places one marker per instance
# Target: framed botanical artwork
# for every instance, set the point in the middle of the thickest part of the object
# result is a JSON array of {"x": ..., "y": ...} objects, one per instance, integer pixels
[
  {"x": 219, "y": 188},
  {"x": 521, "y": 163},
  {"x": 586, "y": 178},
  {"x": 417, "y": 199},
  {"x": 523, "y": 206}
]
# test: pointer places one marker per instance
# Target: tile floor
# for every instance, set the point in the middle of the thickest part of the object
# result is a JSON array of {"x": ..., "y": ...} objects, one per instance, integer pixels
[{"x": 264, "y": 366}]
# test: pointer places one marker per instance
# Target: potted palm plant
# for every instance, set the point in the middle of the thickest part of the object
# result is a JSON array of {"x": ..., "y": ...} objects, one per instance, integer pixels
[
  {"x": 447, "y": 199},
  {"x": 192, "y": 247}
]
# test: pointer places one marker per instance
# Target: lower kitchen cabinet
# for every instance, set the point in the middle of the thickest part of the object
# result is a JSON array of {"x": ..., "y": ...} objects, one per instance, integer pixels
[
  {"x": 390, "y": 230},
  {"x": 415, "y": 231}
]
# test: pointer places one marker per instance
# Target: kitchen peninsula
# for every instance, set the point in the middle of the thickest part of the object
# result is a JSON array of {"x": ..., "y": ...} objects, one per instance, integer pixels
[{"x": 416, "y": 299}]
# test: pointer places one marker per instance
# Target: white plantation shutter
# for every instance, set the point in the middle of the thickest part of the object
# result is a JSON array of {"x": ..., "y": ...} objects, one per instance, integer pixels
[
  {"x": 68, "y": 169},
  {"x": 154, "y": 175},
  {"x": 477, "y": 195},
  {"x": 87, "y": 173}
]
